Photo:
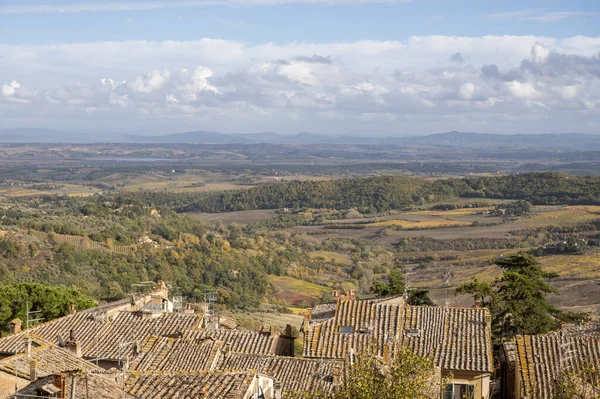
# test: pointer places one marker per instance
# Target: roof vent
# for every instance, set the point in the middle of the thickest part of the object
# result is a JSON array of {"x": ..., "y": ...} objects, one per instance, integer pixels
[
  {"x": 346, "y": 330},
  {"x": 413, "y": 332}
]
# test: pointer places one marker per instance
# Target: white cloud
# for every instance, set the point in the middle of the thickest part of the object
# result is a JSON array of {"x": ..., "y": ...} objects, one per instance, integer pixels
[
  {"x": 539, "y": 53},
  {"x": 149, "y": 82},
  {"x": 10, "y": 88},
  {"x": 527, "y": 83},
  {"x": 526, "y": 91},
  {"x": 467, "y": 91}
]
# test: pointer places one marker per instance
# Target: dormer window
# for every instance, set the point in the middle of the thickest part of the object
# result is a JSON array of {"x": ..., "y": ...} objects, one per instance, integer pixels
[
  {"x": 346, "y": 330},
  {"x": 363, "y": 330}
]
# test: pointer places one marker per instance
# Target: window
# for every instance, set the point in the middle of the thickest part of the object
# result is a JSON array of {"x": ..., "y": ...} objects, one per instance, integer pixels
[{"x": 459, "y": 391}]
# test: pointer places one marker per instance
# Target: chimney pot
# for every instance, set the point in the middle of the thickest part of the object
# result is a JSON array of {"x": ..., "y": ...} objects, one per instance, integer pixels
[
  {"x": 72, "y": 308},
  {"x": 337, "y": 375},
  {"x": 15, "y": 326},
  {"x": 277, "y": 389},
  {"x": 32, "y": 370}
]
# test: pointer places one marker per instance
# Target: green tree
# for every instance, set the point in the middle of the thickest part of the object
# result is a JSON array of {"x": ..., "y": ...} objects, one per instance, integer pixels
[
  {"x": 478, "y": 289},
  {"x": 51, "y": 302},
  {"x": 394, "y": 284},
  {"x": 518, "y": 300}
]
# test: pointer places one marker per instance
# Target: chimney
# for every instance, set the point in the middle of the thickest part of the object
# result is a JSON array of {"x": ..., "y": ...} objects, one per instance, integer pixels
[
  {"x": 60, "y": 381},
  {"x": 273, "y": 331},
  {"x": 72, "y": 308},
  {"x": 28, "y": 347},
  {"x": 477, "y": 303},
  {"x": 15, "y": 326},
  {"x": 163, "y": 289},
  {"x": 72, "y": 345},
  {"x": 278, "y": 390},
  {"x": 32, "y": 370},
  {"x": 337, "y": 374},
  {"x": 204, "y": 308},
  {"x": 335, "y": 294},
  {"x": 351, "y": 294}
]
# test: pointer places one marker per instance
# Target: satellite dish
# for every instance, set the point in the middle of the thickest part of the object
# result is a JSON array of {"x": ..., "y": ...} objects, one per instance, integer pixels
[{"x": 61, "y": 341}]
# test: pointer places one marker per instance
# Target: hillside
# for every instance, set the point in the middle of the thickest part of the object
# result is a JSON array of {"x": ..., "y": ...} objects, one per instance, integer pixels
[{"x": 387, "y": 193}]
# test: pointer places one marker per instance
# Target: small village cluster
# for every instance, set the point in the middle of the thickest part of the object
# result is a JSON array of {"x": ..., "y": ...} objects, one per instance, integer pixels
[{"x": 141, "y": 348}]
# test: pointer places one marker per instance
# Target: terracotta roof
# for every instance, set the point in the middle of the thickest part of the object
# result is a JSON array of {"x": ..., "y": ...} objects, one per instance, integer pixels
[
  {"x": 50, "y": 359},
  {"x": 125, "y": 327},
  {"x": 322, "y": 311},
  {"x": 88, "y": 386},
  {"x": 357, "y": 325},
  {"x": 240, "y": 341},
  {"x": 188, "y": 385},
  {"x": 294, "y": 374},
  {"x": 457, "y": 338},
  {"x": 83, "y": 323},
  {"x": 123, "y": 304},
  {"x": 177, "y": 354},
  {"x": 541, "y": 358},
  {"x": 128, "y": 327}
]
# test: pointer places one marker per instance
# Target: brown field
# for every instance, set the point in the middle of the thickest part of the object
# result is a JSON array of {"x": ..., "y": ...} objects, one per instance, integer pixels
[{"x": 294, "y": 291}]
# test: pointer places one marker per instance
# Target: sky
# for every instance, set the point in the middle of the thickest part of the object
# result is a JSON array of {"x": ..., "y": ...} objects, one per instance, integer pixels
[{"x": 361, "y": 67}]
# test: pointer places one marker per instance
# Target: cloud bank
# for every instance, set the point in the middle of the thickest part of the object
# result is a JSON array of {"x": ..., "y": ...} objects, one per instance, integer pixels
[{"x": 425, "y": 84}]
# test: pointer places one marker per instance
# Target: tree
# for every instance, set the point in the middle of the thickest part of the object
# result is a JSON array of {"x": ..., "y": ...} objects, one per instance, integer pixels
[
  {"x": 51, "y": 302},
  {"x": 406, "y": 376},
  {"x": 522, "y": 296},
  {"x": 518, "y": 300},
  {"x": 480, "y": 290},
  {"x": 395, "y": 284},
  {"x": 419, "y": 297}
]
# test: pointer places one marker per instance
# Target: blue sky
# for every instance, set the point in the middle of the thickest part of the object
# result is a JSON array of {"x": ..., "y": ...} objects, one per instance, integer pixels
[
  {"x": 337, "y": 66},
  {"x": 297, "y": 21}
]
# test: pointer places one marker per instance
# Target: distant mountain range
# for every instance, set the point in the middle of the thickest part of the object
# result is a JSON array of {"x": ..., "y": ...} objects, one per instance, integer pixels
[{"x": 567, "y": 141}]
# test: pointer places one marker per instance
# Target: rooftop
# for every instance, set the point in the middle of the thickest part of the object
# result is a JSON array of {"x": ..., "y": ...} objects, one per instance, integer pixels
[
  {"x": 293, "y": 374},
  {"x": 541, "y": 358},
  {"x": 457, "y": 338},
  {"x": 178, "y": 385}
]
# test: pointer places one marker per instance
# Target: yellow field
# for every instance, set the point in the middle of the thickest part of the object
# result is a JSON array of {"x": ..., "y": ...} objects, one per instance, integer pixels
[
  {"x": 426, "y": 224},
  {"x": 298, "y": 287},
  {"x": 563, "y": 216},
  {"x": 457, "y": 212},
  {"x": 585, "y": 266},
  {"x": 330, "y": 256}
]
